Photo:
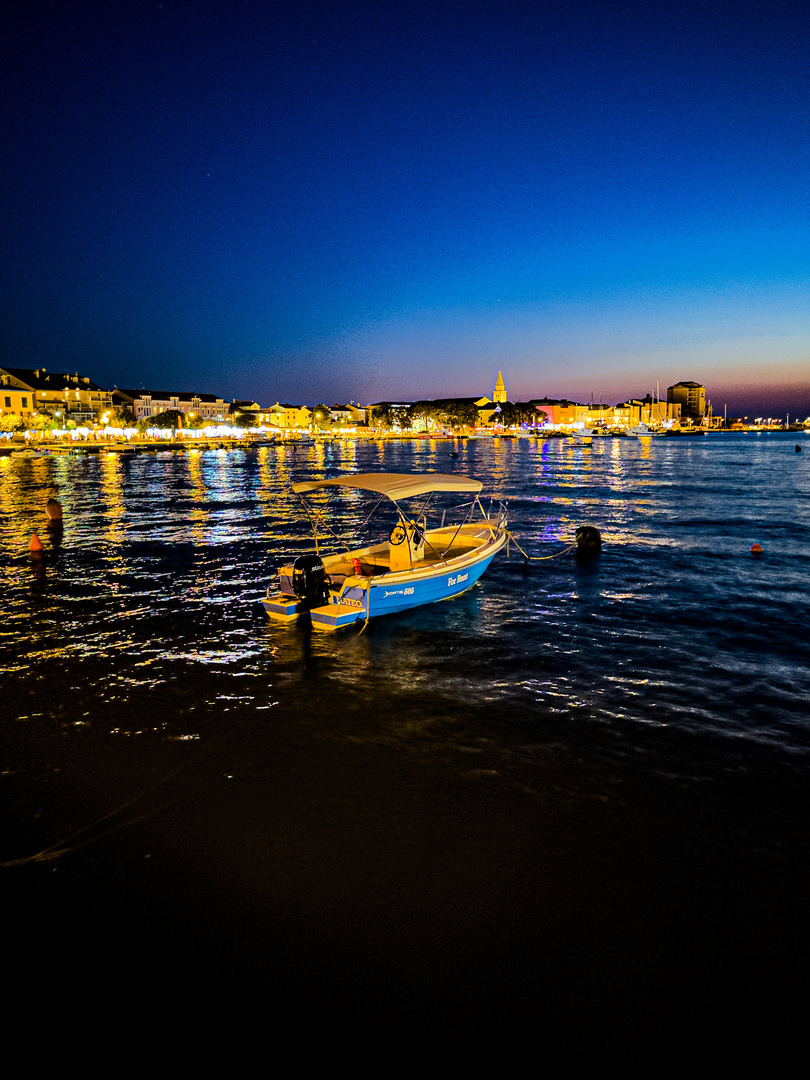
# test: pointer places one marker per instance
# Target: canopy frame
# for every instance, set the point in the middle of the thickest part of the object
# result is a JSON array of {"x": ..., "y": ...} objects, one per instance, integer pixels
[{"x": 395, "y": 487}]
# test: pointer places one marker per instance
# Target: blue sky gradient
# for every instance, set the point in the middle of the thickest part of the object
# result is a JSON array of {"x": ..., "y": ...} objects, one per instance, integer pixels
[{"x": 361, "y": 201}]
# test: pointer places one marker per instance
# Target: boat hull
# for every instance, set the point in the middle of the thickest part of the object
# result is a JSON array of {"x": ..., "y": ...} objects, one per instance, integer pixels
[{"x": 367, "y": 599}]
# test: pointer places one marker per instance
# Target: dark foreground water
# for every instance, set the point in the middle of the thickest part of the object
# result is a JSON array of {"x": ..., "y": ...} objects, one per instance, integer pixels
[{"x": 572, "y": 801}]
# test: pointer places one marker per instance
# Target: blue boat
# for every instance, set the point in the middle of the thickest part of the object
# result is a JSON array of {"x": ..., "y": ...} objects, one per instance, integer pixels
[{"x": 432, "y": 552}]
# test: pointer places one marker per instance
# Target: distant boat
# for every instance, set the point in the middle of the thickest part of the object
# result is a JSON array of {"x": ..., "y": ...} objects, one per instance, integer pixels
[{"x": 641, "y": 431}]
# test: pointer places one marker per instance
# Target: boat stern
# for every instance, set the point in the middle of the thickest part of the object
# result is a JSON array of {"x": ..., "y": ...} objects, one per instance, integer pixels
[
  {"x": 282, "y": 607},
  {"x": 333, "y": 616}
]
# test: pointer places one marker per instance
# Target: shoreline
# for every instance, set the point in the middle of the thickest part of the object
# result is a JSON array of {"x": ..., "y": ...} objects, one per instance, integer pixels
[{"x": 99, "y": 446}]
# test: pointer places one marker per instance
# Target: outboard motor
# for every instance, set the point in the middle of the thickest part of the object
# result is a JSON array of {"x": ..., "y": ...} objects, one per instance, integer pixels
[{"x": 309, "y": 580}]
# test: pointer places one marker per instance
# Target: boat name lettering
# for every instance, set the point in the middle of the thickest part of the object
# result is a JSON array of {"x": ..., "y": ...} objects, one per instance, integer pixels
[
  {"x": 457, "y": 579},
  {"x": 349, "y": 601}
]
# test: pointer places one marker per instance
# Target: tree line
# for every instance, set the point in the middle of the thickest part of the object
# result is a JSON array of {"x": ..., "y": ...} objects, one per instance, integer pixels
[{"x": 449, "y": 414}]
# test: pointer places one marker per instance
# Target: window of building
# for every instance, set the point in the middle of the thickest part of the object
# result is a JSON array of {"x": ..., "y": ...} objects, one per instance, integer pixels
[
  {"x": 8, "y": 402},
  {"x": 25, "y": 402}
]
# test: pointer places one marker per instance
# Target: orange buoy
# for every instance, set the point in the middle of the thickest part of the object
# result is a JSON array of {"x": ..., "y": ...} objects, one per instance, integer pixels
[
  {"x": 36, "y": 545},
  {"x": 756, "y": 549}
]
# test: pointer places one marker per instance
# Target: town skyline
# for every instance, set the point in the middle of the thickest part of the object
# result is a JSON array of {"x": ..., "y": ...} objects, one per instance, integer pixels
[{"x": 54, "y": 396}]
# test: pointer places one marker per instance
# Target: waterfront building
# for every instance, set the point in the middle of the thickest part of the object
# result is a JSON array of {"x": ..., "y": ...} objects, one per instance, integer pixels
[
  {"x": 561, "y": 412},
  {"x": 63, "y": 396},
  {"x": 287, "y": 417},
  {"x": 691, "y": 396},
  {"x": 244, "y": 408},
  {"x": 597, "y": 414},
  {"x": 644, "y": 410},
  {"x": 348, "y": 414},
  {"x": 655, "y": 411},
  {"x": 15, "y": 400},
  {"x": 146, "y": 403}
]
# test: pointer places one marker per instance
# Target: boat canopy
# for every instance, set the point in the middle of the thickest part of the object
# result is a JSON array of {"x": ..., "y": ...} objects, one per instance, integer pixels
[{"x": 396, "y": 485}]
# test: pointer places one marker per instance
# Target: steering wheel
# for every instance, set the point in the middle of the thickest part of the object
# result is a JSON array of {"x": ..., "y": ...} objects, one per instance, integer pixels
[{"x": 397, "y": 535}]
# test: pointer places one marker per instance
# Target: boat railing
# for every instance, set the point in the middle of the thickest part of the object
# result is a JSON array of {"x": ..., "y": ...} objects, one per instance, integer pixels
[{"x": 493, "y": 522}]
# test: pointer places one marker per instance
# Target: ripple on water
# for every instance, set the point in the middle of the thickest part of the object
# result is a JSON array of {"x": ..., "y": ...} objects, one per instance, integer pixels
[{"x": 676, "y": 630}]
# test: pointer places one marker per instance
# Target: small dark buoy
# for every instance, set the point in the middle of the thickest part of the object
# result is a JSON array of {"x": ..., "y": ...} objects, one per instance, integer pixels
[
  {"x": 756, "y": 549},
  {"x": 589, "y": 542},
  {"x": 54, "y": 511},
  {"x": 454, "y": 454},
  {"x": 798, "y": 449}
]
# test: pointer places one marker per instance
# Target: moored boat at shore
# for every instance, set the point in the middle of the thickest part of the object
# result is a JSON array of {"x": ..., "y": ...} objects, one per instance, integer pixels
[
  {"x": 420, "y": 562},
  {"x": 642, "y": 431}
]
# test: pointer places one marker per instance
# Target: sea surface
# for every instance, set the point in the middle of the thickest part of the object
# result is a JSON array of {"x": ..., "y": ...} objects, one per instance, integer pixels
[{"x": 573, "y": 799}]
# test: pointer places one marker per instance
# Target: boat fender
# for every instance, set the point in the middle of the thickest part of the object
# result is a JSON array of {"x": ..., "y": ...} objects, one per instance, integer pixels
[
  {"x": 756, "y": 549},
  {"x": 588, "y": 541}
]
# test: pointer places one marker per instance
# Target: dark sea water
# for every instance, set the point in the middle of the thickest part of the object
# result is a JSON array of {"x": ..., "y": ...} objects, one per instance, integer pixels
[{"x": 572, "y": 800}]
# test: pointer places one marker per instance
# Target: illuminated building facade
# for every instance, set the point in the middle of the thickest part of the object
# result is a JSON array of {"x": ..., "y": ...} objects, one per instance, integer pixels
[
  {"x": 62, "y": 396},
  {"x": 146, "y": 403},
  {"x": 691, "y": 396}
]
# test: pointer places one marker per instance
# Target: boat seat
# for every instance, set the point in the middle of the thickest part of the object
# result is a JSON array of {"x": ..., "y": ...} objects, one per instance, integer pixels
[
  {"x": 460, "y": 547},
  {"x": 373, "y": 569},
  {"x": 367, "y": 569}
]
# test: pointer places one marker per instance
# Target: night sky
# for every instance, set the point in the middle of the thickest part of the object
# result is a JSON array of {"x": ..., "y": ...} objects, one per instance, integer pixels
[{"x": 331, "y": 201}]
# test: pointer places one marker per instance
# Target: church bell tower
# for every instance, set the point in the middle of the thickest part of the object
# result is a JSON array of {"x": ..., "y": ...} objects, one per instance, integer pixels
[{"x": 499, "y": 393}]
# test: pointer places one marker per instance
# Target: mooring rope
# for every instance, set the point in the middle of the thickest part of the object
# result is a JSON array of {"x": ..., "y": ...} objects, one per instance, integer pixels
[
  {"x": 535, "y": 558},
  {"x": 65, "y": 846}
]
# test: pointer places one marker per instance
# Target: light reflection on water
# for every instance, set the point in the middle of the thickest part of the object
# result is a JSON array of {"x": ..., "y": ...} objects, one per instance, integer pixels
[{"x": 676, "y": 628}]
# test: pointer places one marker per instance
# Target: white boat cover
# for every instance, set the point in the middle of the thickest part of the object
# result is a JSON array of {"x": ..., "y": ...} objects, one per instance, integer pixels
[{"x": 396, "y": 485}]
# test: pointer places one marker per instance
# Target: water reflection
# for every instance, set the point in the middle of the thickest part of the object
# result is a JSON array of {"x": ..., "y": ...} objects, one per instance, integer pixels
[
  {"x": 198, "y": 511},
  {"x": 114, "y": 510},
  {"x": 164, "y": 559}
]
